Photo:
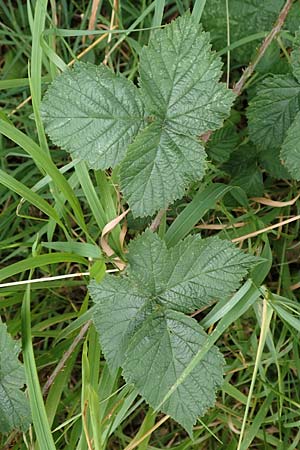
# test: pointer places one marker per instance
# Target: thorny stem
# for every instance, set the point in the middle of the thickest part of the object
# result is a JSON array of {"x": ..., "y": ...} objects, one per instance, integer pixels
[
  {"x": 65, "y": 357},
  {"x": 157, "y": 219},
  {"x": 238, "y": 88},
  {"x": 262, "y": 49}
]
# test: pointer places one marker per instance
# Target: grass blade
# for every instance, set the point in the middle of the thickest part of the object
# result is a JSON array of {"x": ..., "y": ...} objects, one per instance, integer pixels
[
  {"x": 194, "y": 211},
  {"x": 39, "y": 417}
]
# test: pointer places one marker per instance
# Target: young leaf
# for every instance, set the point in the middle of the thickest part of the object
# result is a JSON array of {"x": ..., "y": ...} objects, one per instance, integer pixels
[
  {"x": 157, "y": 355},
  {"x": 139, "y": 317},
  {"x": 93, "y": 113},
  {"x": 179, "y": 79},
  {"x": 290, "y": 151},
  {"x": 14, "y": 407}
]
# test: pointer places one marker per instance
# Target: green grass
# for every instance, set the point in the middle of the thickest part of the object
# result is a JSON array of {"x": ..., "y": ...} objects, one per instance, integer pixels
[{"x": 52, "y": 214}]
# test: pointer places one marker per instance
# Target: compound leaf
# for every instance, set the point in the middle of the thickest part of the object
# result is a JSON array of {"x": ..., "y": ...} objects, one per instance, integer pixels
[
  {"x": 159, "y": 352},
  {"x": 290, "y": 151},
  {"x": 158, "y": 167},
  {"x": 139, "y": 317},
  {"x": 93, "y": 113},
  {"x": 179, "y": 80},
  {"x": 14, "y": 407}
]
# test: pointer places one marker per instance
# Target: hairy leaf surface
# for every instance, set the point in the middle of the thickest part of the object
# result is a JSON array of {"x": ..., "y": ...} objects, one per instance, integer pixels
[
  {"x": 139, "y": 317},
  {"x": 290, "y": 151},
  {"x": 179, "y": 79},
  {"x": 188, "y": 275},
  {"x": 14, "y": 407},
  {"x": 158, "y": 354},
  {"x": 93, "y": 113},
  {"x": 158, "y": 167},
  {"x": 120, "y": 308}
]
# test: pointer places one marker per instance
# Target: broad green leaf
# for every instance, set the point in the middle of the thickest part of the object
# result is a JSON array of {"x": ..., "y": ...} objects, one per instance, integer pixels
[
  {"x": 156, "y": 357},
  {"x": 93, "y": 113},
  {"x": 120, "y": 308},
  {"x": 179, "y": 79},
  {"x": 295, "y": 57},
  {"x": 14, "y": 406},
  {"x": 272, "y": 110},
  {"x": 290, "y": 151},
  {"x": 138, "y": 315},
  {"x": 158, "y": 167},
  {"x": 270, "y": 114},
  {"x": 189, "y": 275}
]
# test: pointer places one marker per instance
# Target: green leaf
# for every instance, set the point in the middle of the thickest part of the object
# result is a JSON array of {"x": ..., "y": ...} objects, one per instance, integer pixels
[
  {"x": 92, "y": 113},
  {"x": 244, "y": 170},
  {"x": 158, "y": 353},
  {"x": 179, "y": 80},
  {"x": 290, "y": 151},
  {"x": 189, "y": 275},
  {"x": 222, "y": 143},
  {"x": 14, "y": 406},
  {"x": 120, "y": 308},
  {"x": 270, "y": 114},
  {"x": 158, "y": 167},
  {"x": 138, "y": 315},
  {"x": 295, "y": 57}
]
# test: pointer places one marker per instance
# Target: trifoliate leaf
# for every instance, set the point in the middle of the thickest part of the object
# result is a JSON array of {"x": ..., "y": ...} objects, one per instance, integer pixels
[
  {"x": 270, "y": 114},
  {"x": 14, "y": 407},
  {"x": 139, "y": 317},
  {"x": 295, "y": 57},
  {"x": 92, "y": 113},
  {"x": 158, "y": 167},
  {"x": 179, "y": 79},
  {"x": 120, "y": 308},
  {"x": 159, "y": 352},
  {"x": 290, "y": 151}
]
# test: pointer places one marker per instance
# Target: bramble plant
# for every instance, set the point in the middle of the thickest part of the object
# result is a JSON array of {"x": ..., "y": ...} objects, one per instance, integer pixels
[
  {"x": 165, "y": 168},
  {"x": 151, "y": 132}
]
